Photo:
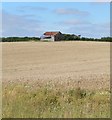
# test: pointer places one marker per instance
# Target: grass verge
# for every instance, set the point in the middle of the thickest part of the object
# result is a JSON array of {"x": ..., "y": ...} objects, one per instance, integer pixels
[{"x": 23, "y": 101}]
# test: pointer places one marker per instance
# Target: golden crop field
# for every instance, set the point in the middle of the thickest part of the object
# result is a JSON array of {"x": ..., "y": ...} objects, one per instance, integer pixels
[{"x": 56, "y": 79}]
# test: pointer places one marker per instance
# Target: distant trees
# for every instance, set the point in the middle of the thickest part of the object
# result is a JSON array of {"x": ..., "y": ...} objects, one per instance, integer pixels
[
  {"x": 72, "y": 37},
  {"x": 66, "y": 37},
  {"x": 106, "y": 39},
  {"x": 18, "y": 39},
  {"x": 103, "y": 39}
]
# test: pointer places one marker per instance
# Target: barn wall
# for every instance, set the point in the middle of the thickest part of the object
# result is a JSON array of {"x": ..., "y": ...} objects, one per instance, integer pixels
[
  {"x": 50, "y": 39},
  {"x": 58, "y": 37}
]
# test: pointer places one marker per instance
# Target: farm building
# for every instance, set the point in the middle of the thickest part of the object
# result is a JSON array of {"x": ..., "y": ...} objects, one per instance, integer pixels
[{"x": 52, "y": 36}]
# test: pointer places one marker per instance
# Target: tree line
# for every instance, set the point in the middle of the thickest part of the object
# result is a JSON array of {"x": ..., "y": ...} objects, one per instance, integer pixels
[
  {"x": 103, "y": 39},
  {"x": 19, "y": 39},
  {"x": 69, "y": 37},
  {"x": 66, "y": 37}
]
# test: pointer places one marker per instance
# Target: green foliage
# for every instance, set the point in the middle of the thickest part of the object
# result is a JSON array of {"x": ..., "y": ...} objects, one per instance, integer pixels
[
  {"x": 66, "y": 37},
  {"x": 103, "y": 39},
  {"x": 21, "y": 101},
  {"x": 77, "y": 93},
  {"x": 107, "y": 39},
  {"x": 72, "y": 37},
  {"x": 19, "y": 39}
]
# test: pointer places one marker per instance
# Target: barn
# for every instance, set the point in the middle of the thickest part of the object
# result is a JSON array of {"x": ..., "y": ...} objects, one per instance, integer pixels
[{"x": 52, "y": 36}]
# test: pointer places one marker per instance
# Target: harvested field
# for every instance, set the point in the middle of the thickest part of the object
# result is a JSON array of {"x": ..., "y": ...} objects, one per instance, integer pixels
[
  {"x": 57, "y": 61},
  {"x": 58, "y": 66}
]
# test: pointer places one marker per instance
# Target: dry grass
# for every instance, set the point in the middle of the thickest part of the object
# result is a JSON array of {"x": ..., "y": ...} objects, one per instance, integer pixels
[{"x": 44, "y": 101}]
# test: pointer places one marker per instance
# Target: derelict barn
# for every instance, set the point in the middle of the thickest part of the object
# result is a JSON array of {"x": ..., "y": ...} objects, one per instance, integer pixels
[{"x": 52, "y": 36}]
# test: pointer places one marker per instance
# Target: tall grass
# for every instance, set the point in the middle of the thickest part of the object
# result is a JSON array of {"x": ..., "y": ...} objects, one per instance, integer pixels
[{"x": 22, "y": 101}]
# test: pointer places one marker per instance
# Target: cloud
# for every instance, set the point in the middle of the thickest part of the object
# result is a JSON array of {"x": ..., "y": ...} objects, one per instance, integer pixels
[
  {"x": 85, "y": 28},
  {"x": 31, "y": 8},
  {"x": 90, "y": 29},
  {"x": 17, "y": 25},
  {"x": 101, "y": 1},
  {"x": 73, "y": 22},
  {"x": 98, "y": 3},
  {"x": 70, "y": 11},
  {"x": 29, "y": 16}
]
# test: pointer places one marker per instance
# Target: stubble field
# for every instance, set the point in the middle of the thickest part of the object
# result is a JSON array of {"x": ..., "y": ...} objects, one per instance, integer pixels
[{"x": 56, "y": 79}]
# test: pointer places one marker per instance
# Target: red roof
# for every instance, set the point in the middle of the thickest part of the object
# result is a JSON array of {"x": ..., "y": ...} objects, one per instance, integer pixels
[{"x": 51, "y": 33}]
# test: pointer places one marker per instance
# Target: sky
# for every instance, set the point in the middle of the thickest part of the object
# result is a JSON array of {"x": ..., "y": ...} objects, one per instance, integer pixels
[{"x": 32, "y": 19}]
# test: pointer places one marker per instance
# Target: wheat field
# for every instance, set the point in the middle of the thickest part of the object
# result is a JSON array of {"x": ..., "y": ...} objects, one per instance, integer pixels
[{"x": 76, "y": 75}]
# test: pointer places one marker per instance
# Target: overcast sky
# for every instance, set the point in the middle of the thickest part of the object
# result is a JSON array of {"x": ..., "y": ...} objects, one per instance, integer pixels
[{"x": 34, "y": 18}]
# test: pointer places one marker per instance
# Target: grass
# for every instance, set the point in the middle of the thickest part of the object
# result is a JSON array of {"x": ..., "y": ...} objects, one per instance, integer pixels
[{"x": 25, "y": 101}]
